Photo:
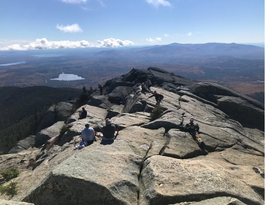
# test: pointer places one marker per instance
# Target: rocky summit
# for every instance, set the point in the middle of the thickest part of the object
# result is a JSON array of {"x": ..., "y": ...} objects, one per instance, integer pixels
[{"x": 153, "y": 160}]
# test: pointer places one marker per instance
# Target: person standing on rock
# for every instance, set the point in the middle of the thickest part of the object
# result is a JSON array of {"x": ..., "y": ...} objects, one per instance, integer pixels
[
  {"x": 109, "y": 131},
  {"x": 144, "y": 88},
  {"x": 88, "y": 137},
  {"x": 148, "y": 84},
  {"x": 158, "y": 97},
  {"x": 193, "y": 129},
  {"x": 100, "y": 88}
]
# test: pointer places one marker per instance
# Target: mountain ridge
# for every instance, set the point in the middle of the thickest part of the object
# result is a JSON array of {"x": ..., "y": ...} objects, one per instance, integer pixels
[{"x": 152, "y": 161}]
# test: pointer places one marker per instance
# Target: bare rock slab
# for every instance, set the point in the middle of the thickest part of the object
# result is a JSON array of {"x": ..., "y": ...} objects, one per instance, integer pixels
[
  {"x": 168, "y": 181},
  {"x": 23, "y": 144},
  {"x": 238, "y": 157},
  {"x": 130, "y": 119},
  {"x": 44, "y": 135},
  {"x": 92, "y": 112},
  {"x": 215, "y": 201},
  {"x": 143, "y": 140},
  {"x": 181, "y": 145},
  {"x": 9, "y": 202},
  {"x": 169, "y": 119},
  {"x": 100, "y": 101},
  {"x": 100, "y": 174}
]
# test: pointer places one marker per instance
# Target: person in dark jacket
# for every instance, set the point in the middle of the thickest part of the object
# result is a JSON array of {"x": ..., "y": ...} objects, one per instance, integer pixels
[
  {"x": 193, "y": 129},
  {"x": 158, "y": 97},
  {"x": 109, "y": 131},
  {"x": 191, "y": 126},
  {"x": 100, "y": 88},
  {"x": 83, "y": 114}
]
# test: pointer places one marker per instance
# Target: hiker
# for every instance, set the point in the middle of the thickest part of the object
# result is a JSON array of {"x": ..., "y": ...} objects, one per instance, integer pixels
[
  {"x": 83, "y": 114},
  {"x": 100, "y": 88},
  {"x": 88, "y": 137},
  {"x": 122, "y": 99},
  {"x": 158, "y": 97},
  {"x": 193, "y": 129},
  {"x": 148, "y": 84},
  {"x": 109, "y": 131},
  {"x": 144, "y": 88},
  {"x": 191, "y": 126}
]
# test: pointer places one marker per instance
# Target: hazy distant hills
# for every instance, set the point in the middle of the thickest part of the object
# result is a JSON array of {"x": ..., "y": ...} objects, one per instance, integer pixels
[
  {"x": 176, "y": 50},
  {"x": 170, "y": 50},
  {"x": 237, "y": 66}
]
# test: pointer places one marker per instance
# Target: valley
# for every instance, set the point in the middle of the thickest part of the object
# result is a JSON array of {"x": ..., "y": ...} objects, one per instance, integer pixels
[{"x": 236, "y": 66}]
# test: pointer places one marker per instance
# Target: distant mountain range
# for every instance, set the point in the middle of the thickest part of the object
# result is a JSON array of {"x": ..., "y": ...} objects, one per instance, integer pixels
[
  {"x": 174, "y": 50},
  {"x": 187, "y": 51},
  {"x": 237, "y": 66}
]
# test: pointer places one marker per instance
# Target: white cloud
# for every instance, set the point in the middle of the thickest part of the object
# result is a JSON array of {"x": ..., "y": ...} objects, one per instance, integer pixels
[
  {"x": 5, "y": 43},
  {"x": 43, "y": 43},
  {"x": 189, "y": 34},
  {"x": 111, "y": 42},
  {"x": 74, "y": 28},
  {"x": 74, "y": 1},
  {"x": 153, "y": 40},
  {"x": 166, "y": 35},
  {"x": 157, "y": 3}
]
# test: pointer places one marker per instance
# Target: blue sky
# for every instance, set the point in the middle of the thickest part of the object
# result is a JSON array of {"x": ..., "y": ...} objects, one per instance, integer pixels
[{"x": 34, "y": 24}]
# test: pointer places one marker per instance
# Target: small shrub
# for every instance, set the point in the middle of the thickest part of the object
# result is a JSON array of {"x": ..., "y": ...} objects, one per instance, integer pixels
[
  {"x": 10, "y": 174},
  {"x": 156, "y": 113},
  {"x": 11, "y": 189},
  {"x": 63, "y": 129}
]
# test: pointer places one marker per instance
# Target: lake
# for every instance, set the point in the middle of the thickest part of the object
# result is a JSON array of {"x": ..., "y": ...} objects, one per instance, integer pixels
[
  {"x": 68, "y": 77},
  {"x": 16, "y": 63},
  {"x": 49, "y": 55}
]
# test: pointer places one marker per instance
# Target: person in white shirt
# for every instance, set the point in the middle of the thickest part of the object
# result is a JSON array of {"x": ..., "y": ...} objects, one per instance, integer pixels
[{"x": 88, "y": 137}]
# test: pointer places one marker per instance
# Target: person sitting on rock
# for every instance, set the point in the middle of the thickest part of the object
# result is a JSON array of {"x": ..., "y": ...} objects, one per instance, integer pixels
[
  {"x": 83, "y": 113},
  {"x": 193, "y": 129},
  {"x": 88, "y": 137},
  {"x": 191, "y": 126},
  {"x": 158, "y": 97},
  {"x": 109, "y": 131}
]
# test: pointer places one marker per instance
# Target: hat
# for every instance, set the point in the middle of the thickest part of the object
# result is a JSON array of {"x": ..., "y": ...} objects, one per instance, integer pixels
[
  {"x": 87, "y": 124},
  {"x": 192, "y": 118},
  {"x": 107, "y": 121}
]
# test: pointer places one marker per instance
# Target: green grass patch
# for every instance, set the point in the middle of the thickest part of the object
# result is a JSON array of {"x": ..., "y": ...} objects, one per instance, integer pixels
[
  {"x": 9, "y": 174},
  {"x": 11, "y": 189}
]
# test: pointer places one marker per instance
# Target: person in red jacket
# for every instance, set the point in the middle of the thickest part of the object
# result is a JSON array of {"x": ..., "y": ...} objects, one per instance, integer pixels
[{"x": 158, "y": 97}]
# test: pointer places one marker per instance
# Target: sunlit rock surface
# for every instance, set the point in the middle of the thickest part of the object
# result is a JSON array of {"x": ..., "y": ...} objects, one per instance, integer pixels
[{"x": 150, "y": 161}]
